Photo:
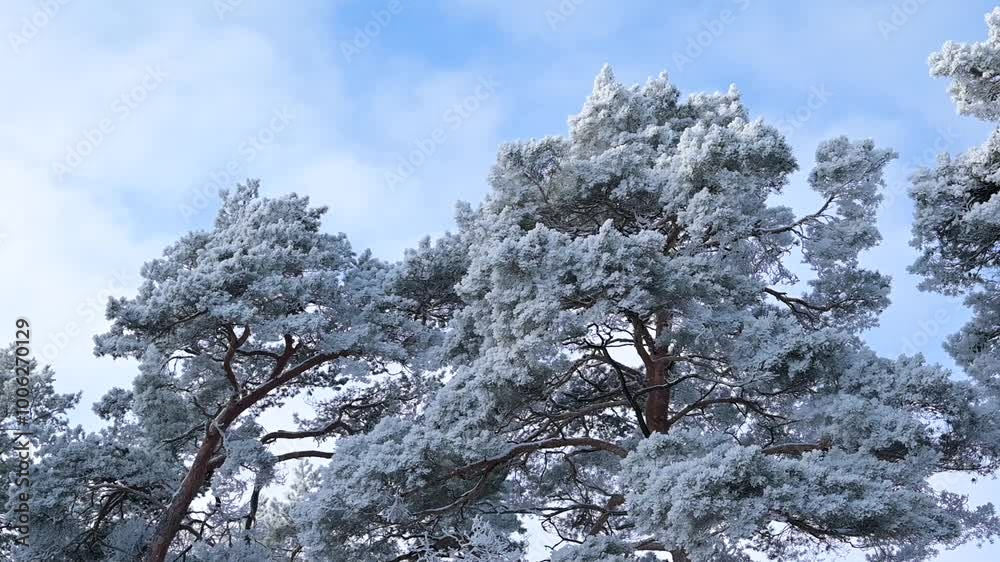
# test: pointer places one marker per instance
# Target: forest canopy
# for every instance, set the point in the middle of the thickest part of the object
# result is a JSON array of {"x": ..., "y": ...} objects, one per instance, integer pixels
[{"x": 632, "y": 342}]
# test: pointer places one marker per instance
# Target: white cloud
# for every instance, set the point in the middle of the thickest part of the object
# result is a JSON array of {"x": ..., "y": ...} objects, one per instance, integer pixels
[
  {"x": 64, "y": 255},
  {"x": 68, "y": 245}
]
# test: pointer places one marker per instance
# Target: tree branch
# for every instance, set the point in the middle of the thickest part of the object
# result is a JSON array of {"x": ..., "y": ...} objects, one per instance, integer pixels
[
  {"x": 285, "y": 434},
  {"x": 303, "y": 455}
]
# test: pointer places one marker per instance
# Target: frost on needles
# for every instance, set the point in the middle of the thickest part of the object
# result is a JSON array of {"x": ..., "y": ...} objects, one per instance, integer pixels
[
  {"x": 630, "y": 341},
  {"x": 629, "y": 366}
]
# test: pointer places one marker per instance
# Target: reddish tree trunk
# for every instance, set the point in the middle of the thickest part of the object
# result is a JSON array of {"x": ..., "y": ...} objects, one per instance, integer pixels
[
  {"x": 657, "y": 400},
  {"x": 173, "y": 516},
  {"x": 657, "y": 370}
]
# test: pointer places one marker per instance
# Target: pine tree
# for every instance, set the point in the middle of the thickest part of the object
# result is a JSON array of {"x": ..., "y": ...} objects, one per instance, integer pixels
[
  {"x": 633, "y": 364},
  {"x": 231, "y": 324},
  {"x": 26, "y": 433},
  {"x": 957, "y": 225}
]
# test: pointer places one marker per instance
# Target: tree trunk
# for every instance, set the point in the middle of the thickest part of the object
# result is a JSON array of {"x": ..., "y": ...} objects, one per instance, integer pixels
[
  {"x": 657, "y": 369},
  {"x": 173, "y": 516},
  {"x": 658, "y": 399}
]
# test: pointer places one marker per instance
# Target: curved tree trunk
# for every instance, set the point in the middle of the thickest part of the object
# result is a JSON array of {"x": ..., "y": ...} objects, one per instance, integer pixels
[{"x": 173, "y": 516}]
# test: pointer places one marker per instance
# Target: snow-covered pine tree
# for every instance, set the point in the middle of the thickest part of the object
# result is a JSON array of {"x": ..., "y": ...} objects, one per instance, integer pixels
[
  {"x": 631, "y": 364},
  {"x": 957, "y": 226},
  {"x": 229, "y": 325},
  {"x": 47, "y": 421}
]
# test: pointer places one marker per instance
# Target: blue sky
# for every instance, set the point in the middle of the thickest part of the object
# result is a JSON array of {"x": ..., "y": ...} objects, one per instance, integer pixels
[{"x": 171, "y": 99}]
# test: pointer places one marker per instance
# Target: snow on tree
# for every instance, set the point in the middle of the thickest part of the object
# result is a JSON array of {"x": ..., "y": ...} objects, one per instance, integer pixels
[
  {"x": 279, "y": 527},
  {"x": 628, "y": 361},
  {"x": 229, "y": 324},
  {"x": 957, "y": 226},
  {"x": 47, "y": 421},
  {"x": 617, "y": 343}
]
